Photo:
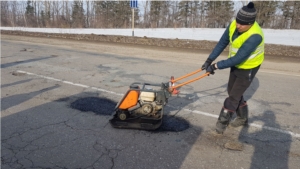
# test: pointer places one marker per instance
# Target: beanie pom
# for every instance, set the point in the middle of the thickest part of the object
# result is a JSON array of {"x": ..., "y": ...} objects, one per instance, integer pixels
[{"x": 250, "y": 5}]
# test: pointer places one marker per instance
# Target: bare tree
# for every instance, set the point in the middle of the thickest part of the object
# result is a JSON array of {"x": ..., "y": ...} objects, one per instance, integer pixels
[
  {"x": 146, "y": 14},
  {"x": 88, "y": 24},
  {"x": 175, "y": 20},
  {"x": 165, "y": 14},
  {"x": 265, "y": 12},
  {"x": 195, "y": 14},
  {"x": 219, "y": 13},
  {"x": 203, "y": 7},
  {"x": 185, "y": 11},
  {"x": 4, "y": 13},
  {"x": 156, "y": 14},
  {"x": 291, "y": 12}
]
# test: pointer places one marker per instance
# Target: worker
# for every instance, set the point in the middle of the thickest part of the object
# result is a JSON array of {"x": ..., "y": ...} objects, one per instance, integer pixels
[{"x": 246, "y": 54}]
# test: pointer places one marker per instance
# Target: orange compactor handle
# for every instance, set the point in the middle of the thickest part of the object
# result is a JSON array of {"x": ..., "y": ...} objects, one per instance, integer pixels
[{"x": 172, "y": 81}]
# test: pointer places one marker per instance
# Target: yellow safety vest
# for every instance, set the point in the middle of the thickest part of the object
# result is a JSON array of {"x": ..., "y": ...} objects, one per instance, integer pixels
[{"x": 257, "y": 56}]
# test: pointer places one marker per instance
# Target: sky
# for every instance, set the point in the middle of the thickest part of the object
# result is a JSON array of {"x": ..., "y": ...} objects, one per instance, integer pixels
[{"x": 288, "y": 37}]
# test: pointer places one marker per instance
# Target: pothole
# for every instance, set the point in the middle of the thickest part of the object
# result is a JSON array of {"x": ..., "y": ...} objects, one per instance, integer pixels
[{"x": 97, "y": 105}]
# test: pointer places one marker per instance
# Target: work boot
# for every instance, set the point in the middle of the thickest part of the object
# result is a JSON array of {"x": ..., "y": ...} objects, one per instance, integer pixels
[
  {"x": 241, "y": 116},
  {"x": 223, "y": 120}
]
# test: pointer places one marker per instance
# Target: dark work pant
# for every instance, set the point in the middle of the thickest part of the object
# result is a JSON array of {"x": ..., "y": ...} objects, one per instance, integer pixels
[{"x": 239, "y": 81}]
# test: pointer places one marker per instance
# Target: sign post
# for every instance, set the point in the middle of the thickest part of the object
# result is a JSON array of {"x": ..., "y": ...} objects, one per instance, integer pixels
[{"x": 133, "y": 5}]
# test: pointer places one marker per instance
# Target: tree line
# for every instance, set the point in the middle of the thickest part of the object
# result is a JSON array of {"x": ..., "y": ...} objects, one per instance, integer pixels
[{"x": 150, "y": 14}]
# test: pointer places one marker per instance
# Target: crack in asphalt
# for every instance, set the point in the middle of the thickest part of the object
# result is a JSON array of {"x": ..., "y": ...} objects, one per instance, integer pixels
[
  {"x": 111, "y": 153},
  {"x": 30, "y": 148}
]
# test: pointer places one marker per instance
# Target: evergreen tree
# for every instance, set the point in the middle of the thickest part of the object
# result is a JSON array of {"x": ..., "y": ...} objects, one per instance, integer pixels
[
  {"x": 29, "y": 9},
  {"x": 43, "y": 18},
  {"x": 185, "y": 11},
  {"x": 122, "y": 15},
  {"x": 29, "y": 13},
  {"x": 165, "y": 14},
  {"x": 154, "y": 13},
  {"x": 105, "y": 13},
  {"x": 78, "y": 17}
]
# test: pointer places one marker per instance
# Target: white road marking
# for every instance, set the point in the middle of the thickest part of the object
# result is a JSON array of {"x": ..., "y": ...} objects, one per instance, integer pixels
[
  {"x": 187, "y": 110},
  {"x": 250, "y": 124}
]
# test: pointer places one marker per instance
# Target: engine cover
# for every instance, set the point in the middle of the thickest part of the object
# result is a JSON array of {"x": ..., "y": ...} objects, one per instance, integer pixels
[{"x": 148, "y": 108}]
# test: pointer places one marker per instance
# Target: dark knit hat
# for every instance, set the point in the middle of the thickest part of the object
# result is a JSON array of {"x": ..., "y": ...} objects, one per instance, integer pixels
[{"x": 246, "y": 15}]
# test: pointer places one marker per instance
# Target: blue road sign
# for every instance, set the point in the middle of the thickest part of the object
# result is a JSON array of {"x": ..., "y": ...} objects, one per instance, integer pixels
[{"x": 133, "y": 4}]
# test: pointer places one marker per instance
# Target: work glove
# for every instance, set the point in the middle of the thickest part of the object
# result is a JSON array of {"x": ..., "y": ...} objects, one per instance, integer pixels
[
  {"x": 211, "y": 69},
  {"x": 206, "y": 64}
]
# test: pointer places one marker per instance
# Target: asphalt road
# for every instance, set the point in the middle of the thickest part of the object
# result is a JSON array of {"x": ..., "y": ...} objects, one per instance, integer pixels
[{"x": 57, "y": 97}]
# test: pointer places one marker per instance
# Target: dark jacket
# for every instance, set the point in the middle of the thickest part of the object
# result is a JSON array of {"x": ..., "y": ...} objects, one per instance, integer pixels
[{"x": 243, "y": 53}]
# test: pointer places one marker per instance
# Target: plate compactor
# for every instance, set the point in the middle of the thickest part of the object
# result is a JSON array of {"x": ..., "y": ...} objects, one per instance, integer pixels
[{"x": 142, "y": 107}]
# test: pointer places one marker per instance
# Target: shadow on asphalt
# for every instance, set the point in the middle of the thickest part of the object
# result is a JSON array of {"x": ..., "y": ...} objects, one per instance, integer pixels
[
  {"x": 17, "y": 99},
  {"x": 15, "y": 83},
  {"x": 97, "y": 105},
  {"x": 251, "y": 89},
  {"x": 271, "y": 149},
  {"x": 5, "y": 65}
]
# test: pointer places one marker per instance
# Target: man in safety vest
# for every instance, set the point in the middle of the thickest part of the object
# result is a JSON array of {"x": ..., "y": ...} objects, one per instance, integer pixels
[{"x": 246, "y": 54}]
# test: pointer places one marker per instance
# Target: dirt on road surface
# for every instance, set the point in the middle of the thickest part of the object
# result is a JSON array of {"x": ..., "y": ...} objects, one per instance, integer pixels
[{"x": 273, "y": 62}]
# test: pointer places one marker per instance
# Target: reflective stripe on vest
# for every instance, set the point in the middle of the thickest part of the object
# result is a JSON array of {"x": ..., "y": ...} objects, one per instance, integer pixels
[{"x": 257, "y": 56}]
